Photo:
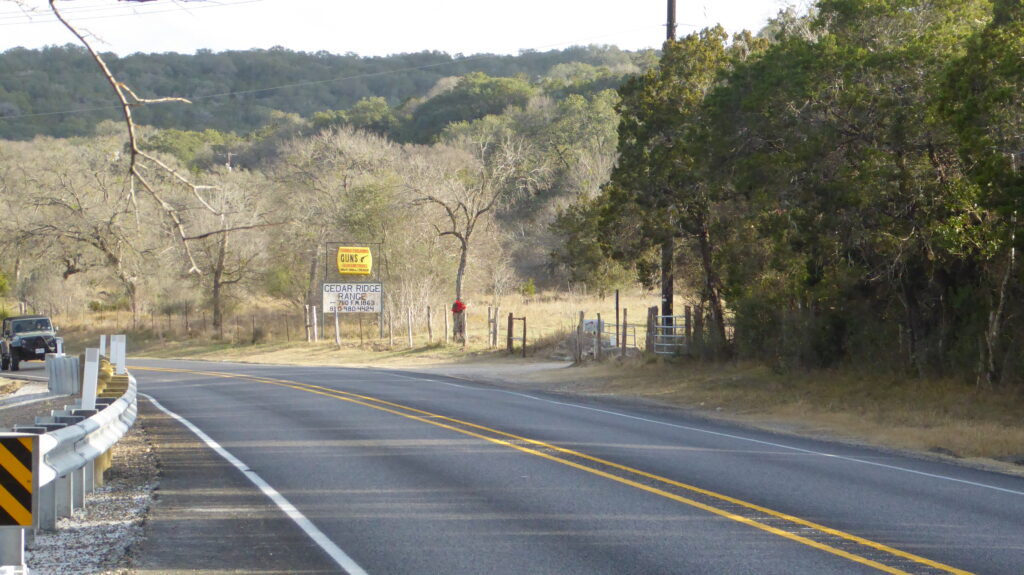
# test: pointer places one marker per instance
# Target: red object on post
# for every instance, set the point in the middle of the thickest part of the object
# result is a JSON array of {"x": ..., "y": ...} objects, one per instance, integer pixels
[{"x": 458, "y": 306}]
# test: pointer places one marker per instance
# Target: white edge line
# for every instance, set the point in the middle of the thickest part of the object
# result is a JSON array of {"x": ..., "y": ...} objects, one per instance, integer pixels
[
  {"x": 728, "y": 436},
  {"x": 307, "y": 526}
]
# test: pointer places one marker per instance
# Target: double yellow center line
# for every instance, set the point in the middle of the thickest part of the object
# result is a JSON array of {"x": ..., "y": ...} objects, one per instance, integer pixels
[{"x": 848, "y": 546}]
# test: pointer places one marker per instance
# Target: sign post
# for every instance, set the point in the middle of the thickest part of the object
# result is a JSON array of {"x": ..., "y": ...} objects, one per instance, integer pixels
[
  {"x": 352, "y": 284},
  {"x": 19, "y": 483}
]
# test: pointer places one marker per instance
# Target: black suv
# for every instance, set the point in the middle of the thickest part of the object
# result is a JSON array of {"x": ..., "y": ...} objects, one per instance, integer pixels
[{"x": 26, "y": 337}]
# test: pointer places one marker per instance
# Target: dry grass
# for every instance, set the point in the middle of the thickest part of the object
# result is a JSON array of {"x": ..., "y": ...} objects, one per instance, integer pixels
[
  {"x": 944, "y": 417},
  {"x": 9, "y": 386},
  {"x": 939, "y": 416}
]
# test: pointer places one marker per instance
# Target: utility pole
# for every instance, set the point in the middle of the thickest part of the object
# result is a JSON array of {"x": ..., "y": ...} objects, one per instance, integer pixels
[
  {"x": 670, "y": 32},
  {"x": 668, "y": 244}
]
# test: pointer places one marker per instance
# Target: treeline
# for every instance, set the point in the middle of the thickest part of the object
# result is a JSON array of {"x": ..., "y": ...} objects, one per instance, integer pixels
[
  {"x": 58, "y": 92},
  {"x": 844, "y": 188}
]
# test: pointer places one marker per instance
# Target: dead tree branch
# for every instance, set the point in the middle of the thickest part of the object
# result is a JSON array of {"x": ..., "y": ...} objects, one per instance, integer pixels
[{"x": 138, "y": 159}]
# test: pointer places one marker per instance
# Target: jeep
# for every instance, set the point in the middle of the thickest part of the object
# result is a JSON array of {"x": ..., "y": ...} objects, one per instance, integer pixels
[{"x": 24, "y": 338}]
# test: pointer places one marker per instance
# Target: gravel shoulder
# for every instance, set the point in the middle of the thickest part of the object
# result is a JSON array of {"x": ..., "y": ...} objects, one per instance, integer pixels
[{"x": 96, "y": 539}]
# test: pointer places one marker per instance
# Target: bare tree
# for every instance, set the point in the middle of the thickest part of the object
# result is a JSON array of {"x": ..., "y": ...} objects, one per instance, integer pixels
[
  {"x": 467, "y": 185},
  {"x": 65, "y": 199},
  {"x": 141, "y": 165},
  {"x": 230, "y": 249}
]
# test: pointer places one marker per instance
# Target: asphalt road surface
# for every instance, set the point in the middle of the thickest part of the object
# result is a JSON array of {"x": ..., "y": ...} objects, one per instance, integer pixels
[{"x": 273, "y": 469}]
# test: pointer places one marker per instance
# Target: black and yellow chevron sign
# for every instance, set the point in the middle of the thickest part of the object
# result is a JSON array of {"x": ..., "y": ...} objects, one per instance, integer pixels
[{"x": 16, "y": 469}]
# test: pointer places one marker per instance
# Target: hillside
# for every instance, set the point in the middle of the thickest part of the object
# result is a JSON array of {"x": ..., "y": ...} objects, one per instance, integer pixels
[{"x": 57, "y": 91}]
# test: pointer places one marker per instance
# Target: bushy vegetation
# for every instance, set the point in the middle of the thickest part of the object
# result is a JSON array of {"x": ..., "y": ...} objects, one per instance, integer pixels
[{"x": 847, "y": 181}]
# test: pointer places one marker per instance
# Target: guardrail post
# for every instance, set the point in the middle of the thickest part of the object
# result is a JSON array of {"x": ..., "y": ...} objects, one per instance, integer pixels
[
  {"x": 89, "y": 379},
  {"x": 63, "y": 487},
  {"x": 118, "y": 344},
  {"x": 90, "y": 476},
  {"x": 12, "y": 547},
  {"x": 78, "y": 489},
  {"x": 47, "y": 507}
]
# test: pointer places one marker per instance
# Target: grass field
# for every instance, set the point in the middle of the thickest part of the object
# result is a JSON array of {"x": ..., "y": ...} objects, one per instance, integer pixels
[{"x": 947, "y": 418}]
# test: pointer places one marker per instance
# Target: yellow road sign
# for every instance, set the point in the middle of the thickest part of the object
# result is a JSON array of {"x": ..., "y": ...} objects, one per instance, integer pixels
[
  {"x": 355, "y": 261},
  {"x": 16, "y": 480}
]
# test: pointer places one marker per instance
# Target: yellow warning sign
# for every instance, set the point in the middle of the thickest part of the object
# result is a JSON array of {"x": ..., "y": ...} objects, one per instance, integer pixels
[
  {"x": 16, "y": 481},
  {"x": 355, "y": 261}
]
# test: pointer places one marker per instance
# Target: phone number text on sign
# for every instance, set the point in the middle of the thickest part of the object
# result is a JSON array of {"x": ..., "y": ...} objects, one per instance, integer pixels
[{"x": 353, "y": 297}]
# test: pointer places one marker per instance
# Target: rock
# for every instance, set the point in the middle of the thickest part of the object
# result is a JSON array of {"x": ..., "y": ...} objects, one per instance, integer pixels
[
  {"x": 943, "y": 451},
  {"x": 1013, "y": 459}
]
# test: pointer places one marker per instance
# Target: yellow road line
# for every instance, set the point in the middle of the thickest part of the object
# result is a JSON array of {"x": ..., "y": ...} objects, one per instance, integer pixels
[{"x": 438, "y": 421}]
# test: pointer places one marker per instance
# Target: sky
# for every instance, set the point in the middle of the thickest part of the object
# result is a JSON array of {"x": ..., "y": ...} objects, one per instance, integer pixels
[{"x": 370, "y": 27}]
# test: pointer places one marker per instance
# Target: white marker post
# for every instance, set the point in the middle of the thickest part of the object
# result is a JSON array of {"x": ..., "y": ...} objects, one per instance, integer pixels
[
  {"x": 103, "y": 345},
  {"x": 90, "y": 377},
  {"x": 118, "y": 343}
]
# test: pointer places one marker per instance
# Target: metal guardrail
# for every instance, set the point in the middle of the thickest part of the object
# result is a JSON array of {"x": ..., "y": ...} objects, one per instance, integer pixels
[
  {"x": 71, "y": 448},
  {"x": 73, "y": 452}
]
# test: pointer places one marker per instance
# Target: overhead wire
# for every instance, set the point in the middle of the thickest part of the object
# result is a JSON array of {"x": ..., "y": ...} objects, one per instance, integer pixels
[{"x": 121, "y": 10}]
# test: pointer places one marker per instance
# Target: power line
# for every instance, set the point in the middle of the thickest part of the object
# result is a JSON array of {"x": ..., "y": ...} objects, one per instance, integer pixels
[{"x": 25, "y": 17}]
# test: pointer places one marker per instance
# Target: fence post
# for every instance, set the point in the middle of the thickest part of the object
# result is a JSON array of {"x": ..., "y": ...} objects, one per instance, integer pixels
[
  {"x": 597, "y": 339},
  {"x": 408, "y": 324},
  {"x": 305, "y": 315},
  {"x": 579, "y": 340},
  {"x": 688, "y": 326},
  {"x": 446, "y": 329},
  {"x": 492, "y": 319},
  {"x": 524, "y": 336},
  {"x": 508, "y": 334},
  {"x": 316, "y": 327},
  {"x": 616, "y": 316},
  {"x": 652, "y": 321},
  {"x": 391, "y": 330},
  {"x": 625, "y": 324},
  {"x": 494, "y": 333},
  {"x": 337, "y": 328},
  {"x": 698, "y": 330},
  {"x": 430, "y": 327}
]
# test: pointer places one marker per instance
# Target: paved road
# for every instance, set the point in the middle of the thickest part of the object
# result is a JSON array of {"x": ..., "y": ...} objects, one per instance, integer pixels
[{"x": 337, "y": 470}]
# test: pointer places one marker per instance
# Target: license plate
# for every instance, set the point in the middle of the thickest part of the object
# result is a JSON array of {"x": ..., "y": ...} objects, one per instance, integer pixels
[{"x": 40, "y": 350}]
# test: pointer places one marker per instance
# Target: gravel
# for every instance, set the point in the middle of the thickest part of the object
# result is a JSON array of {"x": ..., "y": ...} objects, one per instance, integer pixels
[{"x": 97, "y": 539}]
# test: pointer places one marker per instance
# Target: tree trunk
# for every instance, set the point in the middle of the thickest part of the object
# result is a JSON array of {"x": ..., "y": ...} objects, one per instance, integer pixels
[
  {"x": 994, "y": 328},
  {"x": 463, "y": 259},
  {"x": 712, "y": 286},
  {"x": 217, "y": 277},
  {"x": 314, "y": 275},
  {"x": 668, "y": 251}
]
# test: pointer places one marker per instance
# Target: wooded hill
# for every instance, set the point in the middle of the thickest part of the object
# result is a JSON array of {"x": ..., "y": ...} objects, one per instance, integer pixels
[{"x": 58, "y": 91}]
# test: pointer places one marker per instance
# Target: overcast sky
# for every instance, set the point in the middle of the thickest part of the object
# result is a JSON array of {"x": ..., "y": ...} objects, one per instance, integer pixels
[{"x": 371, "y": 27}]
